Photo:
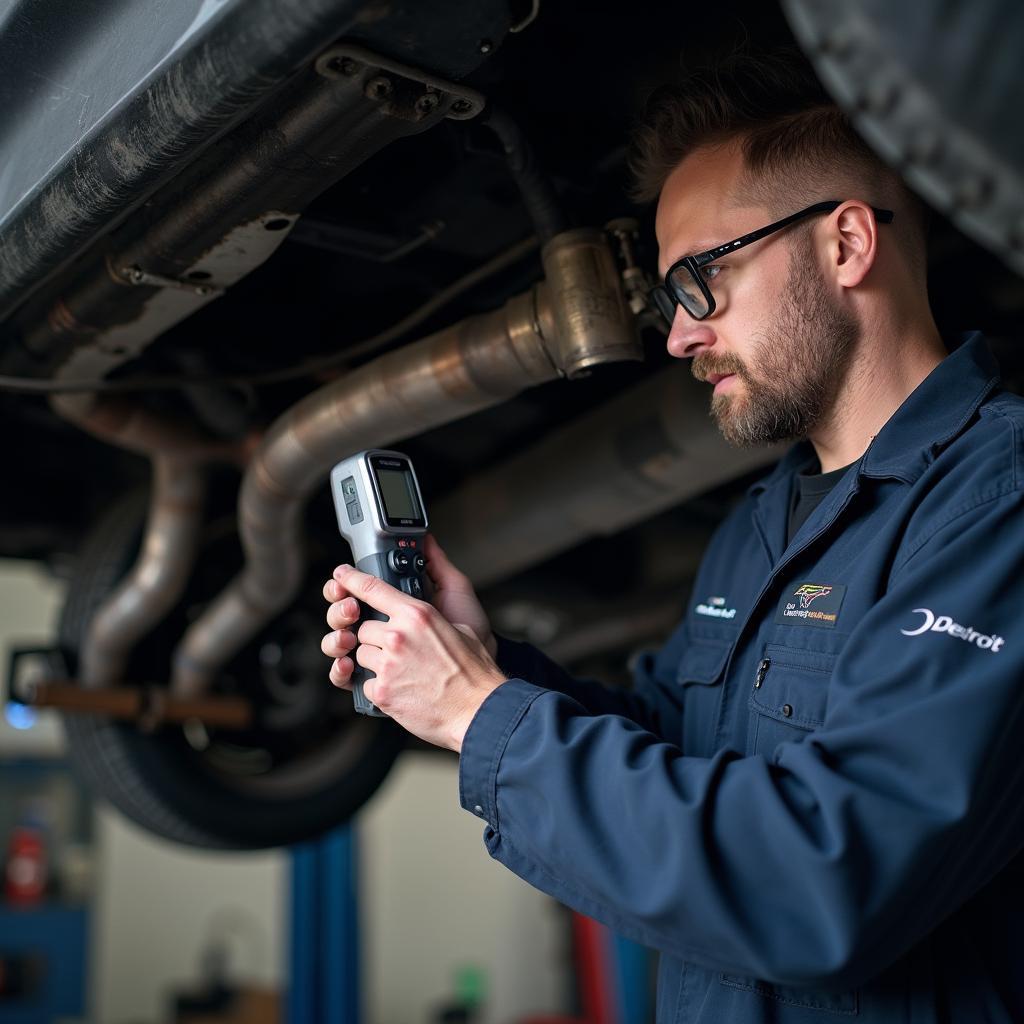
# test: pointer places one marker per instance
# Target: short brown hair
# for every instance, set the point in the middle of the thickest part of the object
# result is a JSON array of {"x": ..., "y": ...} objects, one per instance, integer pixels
[{"x": 798, "y": 146}]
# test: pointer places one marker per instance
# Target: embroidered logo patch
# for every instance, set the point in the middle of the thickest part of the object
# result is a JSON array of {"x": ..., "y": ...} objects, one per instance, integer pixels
[
  {"x": 810, "y": 592},
  {"x": 715, "y": 608},
  {"x": 811, "y": 604}
]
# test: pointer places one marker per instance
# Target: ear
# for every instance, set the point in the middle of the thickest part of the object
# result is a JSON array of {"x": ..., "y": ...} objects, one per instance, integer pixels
[{"x": 855, "y": 237}]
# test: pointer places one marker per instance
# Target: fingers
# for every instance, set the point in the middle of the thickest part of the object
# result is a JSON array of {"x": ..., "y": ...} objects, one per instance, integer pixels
[
  {"x": 343, "y": 613},
  {"x": 373, "y": 591},
  {"x": 369, "y": 657},
  {"x": 341, "y": 673},
  {"x": 439, "y": 566},
  {"x": 377, "y": 633},
  {"x": 339, "y": 643}
]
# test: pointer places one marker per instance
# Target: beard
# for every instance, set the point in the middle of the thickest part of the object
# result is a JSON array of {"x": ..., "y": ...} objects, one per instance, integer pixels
[{"x": 798, "y": 364}]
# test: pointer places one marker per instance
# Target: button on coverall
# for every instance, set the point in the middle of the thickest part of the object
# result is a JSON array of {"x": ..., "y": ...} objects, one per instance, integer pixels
[{"x": 811, "y": 802}]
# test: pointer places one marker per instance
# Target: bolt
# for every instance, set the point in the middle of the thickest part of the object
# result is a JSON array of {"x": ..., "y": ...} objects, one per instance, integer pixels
[
  {"x": 461, "y": 107},
  {"x": 485, "y": 46},
  {"x": 339, "y": 65},
  {"x": 427, "y": 102},
  {"x": 378, "y": 88}
]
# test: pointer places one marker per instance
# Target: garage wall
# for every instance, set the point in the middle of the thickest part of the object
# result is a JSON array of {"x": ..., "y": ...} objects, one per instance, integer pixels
[{"x": 432, "y": 898}]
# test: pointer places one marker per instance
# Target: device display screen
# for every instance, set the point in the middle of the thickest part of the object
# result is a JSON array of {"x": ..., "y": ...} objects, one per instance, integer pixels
[{"x": 397, "y": 491}]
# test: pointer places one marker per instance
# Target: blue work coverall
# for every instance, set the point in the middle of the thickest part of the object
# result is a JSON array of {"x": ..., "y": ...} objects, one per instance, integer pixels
[{"x": 811, "y": 802}]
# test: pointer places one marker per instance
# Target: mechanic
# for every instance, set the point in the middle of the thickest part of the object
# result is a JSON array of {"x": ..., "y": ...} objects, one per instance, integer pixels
[{"x": 811, "y": 801}]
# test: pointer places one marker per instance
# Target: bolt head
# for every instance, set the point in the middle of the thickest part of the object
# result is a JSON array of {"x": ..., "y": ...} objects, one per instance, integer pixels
[
  {"x": 427, "y": 102},
  {"x": 378, "y": 88},
  {"x": 486, "y": 46}
]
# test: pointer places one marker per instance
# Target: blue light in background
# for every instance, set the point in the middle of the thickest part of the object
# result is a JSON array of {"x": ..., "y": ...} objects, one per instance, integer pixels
[{"x": 20, "y": 716}]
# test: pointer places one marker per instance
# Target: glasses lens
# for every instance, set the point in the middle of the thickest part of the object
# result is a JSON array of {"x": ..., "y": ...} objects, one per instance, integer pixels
[
  {"x": 665, "y": 303},
  {"x": 688, "y": 292}
]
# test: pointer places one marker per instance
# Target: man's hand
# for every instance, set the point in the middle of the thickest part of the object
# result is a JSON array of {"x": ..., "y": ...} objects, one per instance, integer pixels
[
  {"x": 454, "y": 596},
  {"x": 431, "y": 676}
]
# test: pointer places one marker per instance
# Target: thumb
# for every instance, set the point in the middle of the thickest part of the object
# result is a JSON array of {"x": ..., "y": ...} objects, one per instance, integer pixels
[{"x": 439, "y": 565}]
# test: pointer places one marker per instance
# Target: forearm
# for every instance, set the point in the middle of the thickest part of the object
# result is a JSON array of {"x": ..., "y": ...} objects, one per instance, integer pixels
[{"x": 524, "y": 661}]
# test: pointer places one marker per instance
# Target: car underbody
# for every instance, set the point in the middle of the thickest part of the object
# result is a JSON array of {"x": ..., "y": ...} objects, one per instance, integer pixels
[{"x": 240, "y": 241}]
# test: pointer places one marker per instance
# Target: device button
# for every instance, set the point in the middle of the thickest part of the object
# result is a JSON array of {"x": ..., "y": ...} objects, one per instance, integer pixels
[
  {"x": 399, "y": 561},
  {"x": 348, "y": 488},
  {"x": 412, "y": 586},
  {"x": 419, "y": 563},
  {"x": 355, "y": 512}
]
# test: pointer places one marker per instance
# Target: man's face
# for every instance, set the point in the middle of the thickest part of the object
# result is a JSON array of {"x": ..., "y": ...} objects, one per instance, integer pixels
[{"x": 779, "y": 344}]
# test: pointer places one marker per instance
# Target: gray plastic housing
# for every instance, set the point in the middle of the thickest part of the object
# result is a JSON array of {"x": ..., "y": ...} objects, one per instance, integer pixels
[{"x": 363, "y": 522}]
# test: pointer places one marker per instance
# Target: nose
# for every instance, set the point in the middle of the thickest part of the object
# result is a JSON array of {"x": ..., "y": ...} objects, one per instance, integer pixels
[{"x": 688, "y": 337}]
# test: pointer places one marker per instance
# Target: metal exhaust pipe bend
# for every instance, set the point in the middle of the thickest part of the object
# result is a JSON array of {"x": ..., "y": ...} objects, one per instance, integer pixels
[
  {"x": 576, "y": 318},
  {"x": 157, "y": 580}
]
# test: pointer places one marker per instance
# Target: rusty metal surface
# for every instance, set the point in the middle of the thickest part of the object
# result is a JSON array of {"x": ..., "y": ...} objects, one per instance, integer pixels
[
  {"x": 229, "y": 214},
  {"x": 101, "y": 103},
  {"x": 593, "y": 324},
  {"x": 150, "y": 706}
]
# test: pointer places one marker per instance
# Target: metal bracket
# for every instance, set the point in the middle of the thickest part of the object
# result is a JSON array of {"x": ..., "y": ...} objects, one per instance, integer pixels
[
  {"x": 391, "y": 83},
  {"x": 138, "y": 276}
]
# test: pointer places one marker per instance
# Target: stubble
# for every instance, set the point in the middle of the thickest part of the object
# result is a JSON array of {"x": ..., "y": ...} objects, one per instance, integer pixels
[{"x": 799, "y": 362}]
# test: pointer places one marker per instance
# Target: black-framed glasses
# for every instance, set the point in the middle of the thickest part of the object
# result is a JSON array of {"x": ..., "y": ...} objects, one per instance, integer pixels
[{"x": 686, "y": 284}]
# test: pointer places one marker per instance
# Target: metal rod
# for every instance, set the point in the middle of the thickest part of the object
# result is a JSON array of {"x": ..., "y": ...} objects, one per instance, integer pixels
[{"x": 149, "y": 705}]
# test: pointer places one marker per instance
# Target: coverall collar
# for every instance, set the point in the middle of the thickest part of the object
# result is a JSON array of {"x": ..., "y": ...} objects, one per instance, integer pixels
[{"x": 938, "y": 409}]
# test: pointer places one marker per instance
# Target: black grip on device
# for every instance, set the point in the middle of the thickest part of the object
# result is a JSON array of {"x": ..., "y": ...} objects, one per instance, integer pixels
[{"x": 411, "y": 582}]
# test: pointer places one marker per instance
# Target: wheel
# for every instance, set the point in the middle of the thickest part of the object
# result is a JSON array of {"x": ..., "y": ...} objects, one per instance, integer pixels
[{"x": 308, "y": 762}]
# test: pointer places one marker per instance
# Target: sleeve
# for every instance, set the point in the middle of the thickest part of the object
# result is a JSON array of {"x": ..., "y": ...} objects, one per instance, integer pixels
[
  {"x": 654, "y": 702},
  {"x": 824, "y": 864}
]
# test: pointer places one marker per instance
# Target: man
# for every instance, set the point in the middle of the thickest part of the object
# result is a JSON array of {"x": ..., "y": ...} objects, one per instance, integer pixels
[{"x": 811, "y": 801}]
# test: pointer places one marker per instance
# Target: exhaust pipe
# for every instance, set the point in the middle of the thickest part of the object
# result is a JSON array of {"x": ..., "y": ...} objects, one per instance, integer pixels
[
  {"x": 639, "y": 454},
  {"x": 575, "y": 319},
  {"x": 158, "y": 578},
  {"x": 161, "y": 572}
]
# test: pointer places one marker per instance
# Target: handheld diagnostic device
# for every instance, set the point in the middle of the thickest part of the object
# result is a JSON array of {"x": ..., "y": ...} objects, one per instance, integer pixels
[{"x": 381, "y": 515}]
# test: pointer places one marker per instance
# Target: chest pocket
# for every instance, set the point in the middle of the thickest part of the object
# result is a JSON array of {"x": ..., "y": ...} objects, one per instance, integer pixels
[
  {"x": 699, "y": 677},
  {"x": 789, "y": 698}
]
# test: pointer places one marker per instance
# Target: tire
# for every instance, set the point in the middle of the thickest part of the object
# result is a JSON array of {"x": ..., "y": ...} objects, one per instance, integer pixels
[{"x": 170, "y": 786}]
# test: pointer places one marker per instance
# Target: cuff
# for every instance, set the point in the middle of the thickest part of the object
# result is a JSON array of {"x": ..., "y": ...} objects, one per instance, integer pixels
[{"x": 484, "y": 744}]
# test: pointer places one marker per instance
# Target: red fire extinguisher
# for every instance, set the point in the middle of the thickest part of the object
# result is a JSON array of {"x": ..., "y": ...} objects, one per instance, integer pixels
[{"x": 26, "y": 869}]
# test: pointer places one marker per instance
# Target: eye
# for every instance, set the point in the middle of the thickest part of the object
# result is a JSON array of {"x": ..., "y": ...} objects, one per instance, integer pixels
[{"x": 710, "y": 272}]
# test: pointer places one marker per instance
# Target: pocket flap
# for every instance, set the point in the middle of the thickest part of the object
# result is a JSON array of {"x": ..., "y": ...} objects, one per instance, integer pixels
[{"x": 703, "y": 661}]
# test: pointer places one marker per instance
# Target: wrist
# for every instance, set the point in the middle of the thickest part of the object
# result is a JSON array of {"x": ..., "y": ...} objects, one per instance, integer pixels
[{"x": 479, "y": 694}]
